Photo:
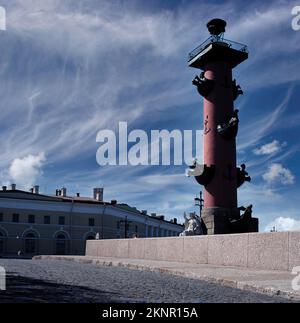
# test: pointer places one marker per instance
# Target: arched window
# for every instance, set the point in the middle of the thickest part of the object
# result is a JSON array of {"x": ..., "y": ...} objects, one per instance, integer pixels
[
  {"x": 61, "y": 244},
  {"x": 30, "y": 243},
  {"x": 2, "y": 237}
]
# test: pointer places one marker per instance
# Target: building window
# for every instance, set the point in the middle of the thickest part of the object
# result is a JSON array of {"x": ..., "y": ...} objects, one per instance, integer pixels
[
  {"x": 1, "y": 217},
  {"x": 61, "y": 220},
  {"x": 46, "y": 219},
  {"x": 61, "y": 245},
  {"x": 91, "y": 222},
  {"x": 118, "y": 225},
  {"x": 136, "y": 229},
  {"x": 30, "y": 243},
  {"x": 155, "y": 231},
  {"x": 15, "y": 218},
  {"x": 2, "y": 237},
  {"x": 31, "y": 218}
]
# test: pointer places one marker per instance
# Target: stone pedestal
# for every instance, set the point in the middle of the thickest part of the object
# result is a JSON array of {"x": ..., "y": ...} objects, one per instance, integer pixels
[
  {"x": 254, "y": 225},
  {"x": 217, "y": 221}
]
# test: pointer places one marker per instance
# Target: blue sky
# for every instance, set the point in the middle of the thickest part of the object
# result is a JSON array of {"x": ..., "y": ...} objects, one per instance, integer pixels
[{"x": 71, "y": 68}]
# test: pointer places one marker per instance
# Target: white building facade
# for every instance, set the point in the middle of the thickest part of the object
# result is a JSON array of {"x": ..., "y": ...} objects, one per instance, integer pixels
[{"x": 32, "y": 223}]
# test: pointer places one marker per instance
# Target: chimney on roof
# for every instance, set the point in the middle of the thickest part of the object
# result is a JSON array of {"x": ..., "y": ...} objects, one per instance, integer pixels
[
  {"x": 144, "y": 212},
  {"x": 63, "y": 192},
  {"x": 98, "y": 194},
  {"x": 113, "y": 202},
  {"x": 153, "y": 215},
  {"x": 13, "y": 187},
  {"x": 36, "y": 189},
  {"x": 4, "y": 188},
  {"x": 175, "y": 220},
  {"x": 78, "y": 194}
]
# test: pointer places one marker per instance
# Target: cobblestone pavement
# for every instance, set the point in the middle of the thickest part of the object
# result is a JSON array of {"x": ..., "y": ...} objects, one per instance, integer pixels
[{"x": 65, "y": 282}]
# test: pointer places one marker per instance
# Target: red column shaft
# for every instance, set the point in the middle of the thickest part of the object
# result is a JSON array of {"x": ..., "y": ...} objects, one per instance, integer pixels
[{"x": 218, "y": 109}]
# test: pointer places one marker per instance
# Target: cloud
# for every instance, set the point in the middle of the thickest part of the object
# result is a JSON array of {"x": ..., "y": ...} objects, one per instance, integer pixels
[
  {"x": 283, "y": 224},
  {"x": 268, "y": 149},
  {"x": 277, "y": 173},
  {"x": 71, "y": 68},
  {"x": 263, "y": 124},
  {"x": 25, "y": 171},
  {"x": 270, "y": 204},
  {"x": 103, "y": 61}
]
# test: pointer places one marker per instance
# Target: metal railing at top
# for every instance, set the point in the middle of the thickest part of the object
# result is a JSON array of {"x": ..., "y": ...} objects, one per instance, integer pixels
[{"x": 212, "y": 39}]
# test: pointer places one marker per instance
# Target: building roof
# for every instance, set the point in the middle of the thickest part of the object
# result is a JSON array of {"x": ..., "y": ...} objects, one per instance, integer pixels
[{"x": 24, "y": 195}]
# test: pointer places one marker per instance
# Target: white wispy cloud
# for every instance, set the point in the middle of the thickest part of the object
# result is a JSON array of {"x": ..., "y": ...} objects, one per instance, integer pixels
[
  {"x": 277, "y": 173},
  {"x": 263, "y": 124},
  {"x": 270, "y": 148},
  {"x": 84, "y": 68},
  {"x": 70, "y": 68}
]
